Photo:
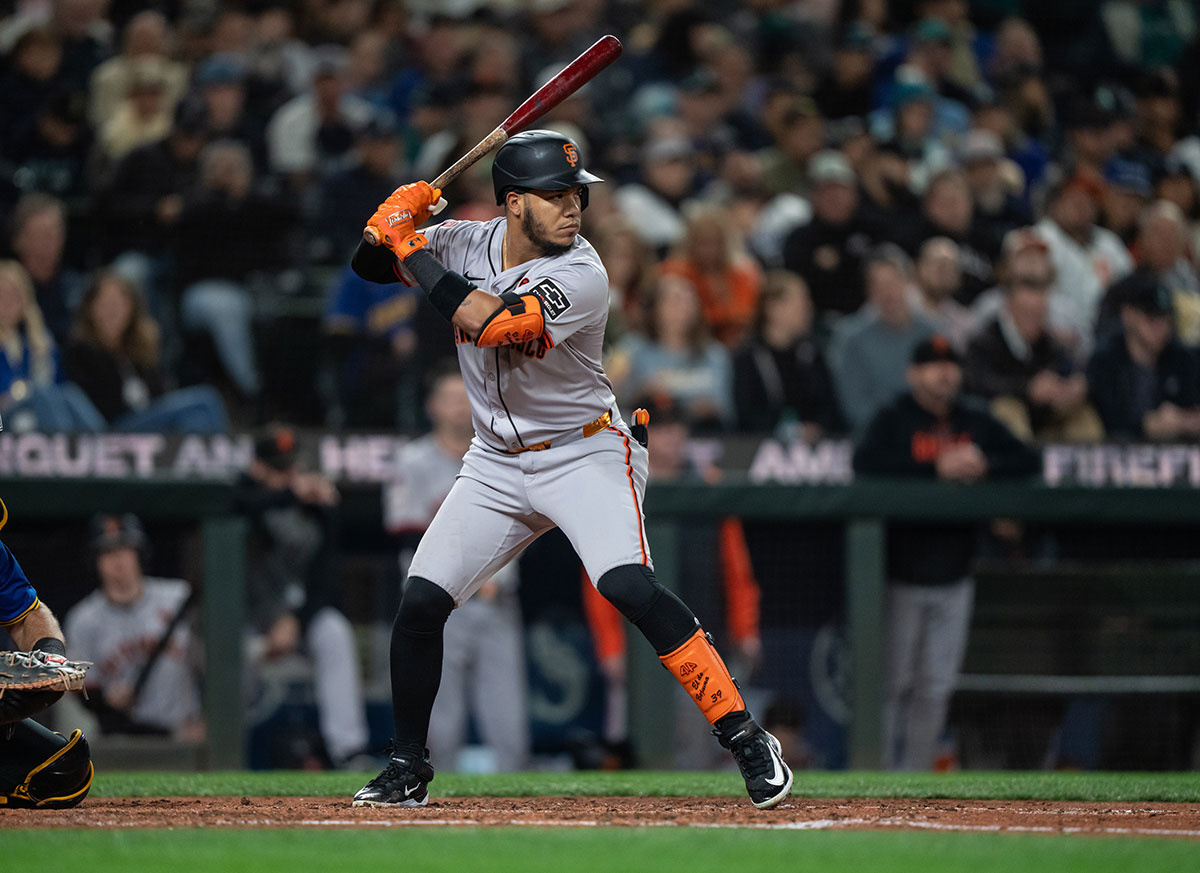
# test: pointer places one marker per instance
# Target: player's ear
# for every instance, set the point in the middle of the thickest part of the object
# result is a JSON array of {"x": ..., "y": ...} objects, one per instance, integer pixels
[{"x": 515, "y": 202}]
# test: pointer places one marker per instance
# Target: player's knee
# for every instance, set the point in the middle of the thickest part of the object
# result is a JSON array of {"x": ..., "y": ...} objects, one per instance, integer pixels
[
  {"x": 42, "y": 769},
  {"x": 663, "y": 618},
  {"x": 424, "y": 608},
  {"x": 632, "y": 589}
]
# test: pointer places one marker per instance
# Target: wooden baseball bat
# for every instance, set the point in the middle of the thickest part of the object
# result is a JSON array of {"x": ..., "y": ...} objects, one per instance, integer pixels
[{"x": 573, "y": 76}]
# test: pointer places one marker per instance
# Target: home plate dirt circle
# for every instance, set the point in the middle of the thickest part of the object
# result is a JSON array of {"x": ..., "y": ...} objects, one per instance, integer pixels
[{"x": 1180, "y": 820}]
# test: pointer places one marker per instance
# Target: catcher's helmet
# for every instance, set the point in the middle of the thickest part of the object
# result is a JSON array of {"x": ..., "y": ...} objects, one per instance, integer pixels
[{"x": 539, "y": 159}]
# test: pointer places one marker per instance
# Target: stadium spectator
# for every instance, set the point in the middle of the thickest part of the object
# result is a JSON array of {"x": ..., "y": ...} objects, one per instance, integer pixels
[
  {"x": 828, "y": 251},
  {"x": 798, "y": 134},
  {"x": 1161, "y": 249},
  {"x": 907, "y": 127},
  {"x": 652, "y": 203},
  {"x": 846, "y": 89},
  {"x": 1087, "y": 258},
  {"x": 1126, "y": 192},
  {"x": 1144, "y": 35},
  {"x": 136, "y": 629},
  {"x": 33, "y": 73},
  {"x": 344, "y": 196},
  {"x": 677, "y": 358},
  {"x": 39, "y": 239},
  {"x": 631, "y": 270},
  {"x": 314, "y": 131},
  {"x": 146, "y": 35},
  {"x": 294, "y": 587},
  {"x": 930, "y": 432},
  {"x": 997, "y": 188},
  {"x": 930, "y": 56},
  {"x": 52, "y": 157},
  {"x": 948, "y": 209},
  {"x": 938, "y": 278},
  {"x": 1141, "y": 379},
  {"x": 86, "y": 39},
  {"x": 1179, "y": 183},
  {"x": 139, "y": 209},
  {"x": 113, "y": 356},
  {"x": 33, "y": 392},
  {"x": 1014, "y": 361},
  {"x": 869, "y": 350},
  {"x": 249, "y": 227},
  {"x": 221, "y": 85},
  {"x": 143, "y": 115},
  {"x": 886, "y": 196},
  {"x": 371, "y": 346},
  {"x": 727, "y": 280},
  {"x": 780, "y": 379}
]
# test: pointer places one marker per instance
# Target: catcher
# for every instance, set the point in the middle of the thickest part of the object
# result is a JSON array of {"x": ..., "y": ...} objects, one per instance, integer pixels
[{"x": 38, "y": 767}]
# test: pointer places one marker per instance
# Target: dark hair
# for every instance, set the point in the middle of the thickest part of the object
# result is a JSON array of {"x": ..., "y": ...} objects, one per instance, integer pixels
[
  {"x": 776, "y": 283},
  {"x": 139, "y": 340}
]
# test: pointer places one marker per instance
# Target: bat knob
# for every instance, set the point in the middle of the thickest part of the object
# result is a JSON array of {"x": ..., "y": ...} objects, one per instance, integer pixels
[{"x": 370, "y": 236}]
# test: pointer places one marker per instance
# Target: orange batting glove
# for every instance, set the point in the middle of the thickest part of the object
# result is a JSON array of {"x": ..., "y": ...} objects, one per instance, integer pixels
[{"x": 395, "y": 222}]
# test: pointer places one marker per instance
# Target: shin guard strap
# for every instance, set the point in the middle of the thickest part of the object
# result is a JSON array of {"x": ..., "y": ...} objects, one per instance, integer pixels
[{"x": 704, "y": 676}]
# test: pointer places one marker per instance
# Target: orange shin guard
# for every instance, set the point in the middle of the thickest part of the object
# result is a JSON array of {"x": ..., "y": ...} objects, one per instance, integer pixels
[{"x": 704, "y": 676}]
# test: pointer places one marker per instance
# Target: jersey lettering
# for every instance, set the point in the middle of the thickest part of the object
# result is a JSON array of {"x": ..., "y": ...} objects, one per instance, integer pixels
[
  {"x": 536, "y": 348},
  {"x": 554, "y": 301}
]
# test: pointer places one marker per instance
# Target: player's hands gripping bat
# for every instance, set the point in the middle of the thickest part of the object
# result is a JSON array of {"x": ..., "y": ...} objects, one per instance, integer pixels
[
  {"x": 396, "y": 220},
  {"x": 573, "y": 77},
  {"x": 32, "y": 681}
]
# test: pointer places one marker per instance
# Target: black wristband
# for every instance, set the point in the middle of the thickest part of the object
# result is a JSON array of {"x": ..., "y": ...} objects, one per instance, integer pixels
[
  {"x": 446, "y": 289},
  {"x": 51, "y": 646}
]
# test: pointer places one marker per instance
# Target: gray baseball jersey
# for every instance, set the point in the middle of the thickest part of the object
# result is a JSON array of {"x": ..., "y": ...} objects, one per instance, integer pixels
[
  {"x": 120, "y": 638},
  {"x": 546, "y": 390},
  {"x": 551, "y": 386}
]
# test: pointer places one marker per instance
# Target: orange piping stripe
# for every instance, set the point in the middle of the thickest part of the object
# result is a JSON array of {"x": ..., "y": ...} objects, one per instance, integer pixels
[{"x": 633, "y": 491}]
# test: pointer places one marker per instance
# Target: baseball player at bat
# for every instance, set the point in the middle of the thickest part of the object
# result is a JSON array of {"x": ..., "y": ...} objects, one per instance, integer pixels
[{"x": 528, "y": 299}]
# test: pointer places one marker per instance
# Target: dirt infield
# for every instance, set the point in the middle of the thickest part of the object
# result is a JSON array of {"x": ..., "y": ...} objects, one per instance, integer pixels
[{"x": 1140, "y": 819}]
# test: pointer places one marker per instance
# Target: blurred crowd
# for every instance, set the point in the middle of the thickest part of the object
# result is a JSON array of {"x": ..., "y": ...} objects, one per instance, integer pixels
[{"x": 796, "y": 195}]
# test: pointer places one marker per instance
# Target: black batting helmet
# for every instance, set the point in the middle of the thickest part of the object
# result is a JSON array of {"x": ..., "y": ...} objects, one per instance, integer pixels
[{"x": 539, "y": 159}]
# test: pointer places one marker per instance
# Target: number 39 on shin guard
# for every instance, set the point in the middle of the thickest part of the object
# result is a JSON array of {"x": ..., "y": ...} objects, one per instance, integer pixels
[{"x": 704, "y": 676}]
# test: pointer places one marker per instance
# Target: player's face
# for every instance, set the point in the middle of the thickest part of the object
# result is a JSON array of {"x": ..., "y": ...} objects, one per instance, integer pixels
[
  {"x": 551, "y": 219},
  {"x": 120, "y": 575}
]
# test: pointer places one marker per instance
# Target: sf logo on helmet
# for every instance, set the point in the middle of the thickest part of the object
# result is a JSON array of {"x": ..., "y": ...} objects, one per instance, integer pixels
[{"x": 572, "y": 153}]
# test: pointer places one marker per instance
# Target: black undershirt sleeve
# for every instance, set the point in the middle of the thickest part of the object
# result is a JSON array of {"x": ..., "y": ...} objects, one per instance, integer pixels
[{"x": 374, "y": 263}]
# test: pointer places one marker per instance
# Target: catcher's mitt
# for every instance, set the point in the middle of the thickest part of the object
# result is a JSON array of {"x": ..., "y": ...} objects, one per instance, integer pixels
[{"x": 32, "y": 681}]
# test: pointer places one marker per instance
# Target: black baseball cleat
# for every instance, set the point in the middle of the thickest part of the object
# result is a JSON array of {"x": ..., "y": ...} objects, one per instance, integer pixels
[
  {"x": 402, "y": 783},
  {"x": 759, "y": 757}
]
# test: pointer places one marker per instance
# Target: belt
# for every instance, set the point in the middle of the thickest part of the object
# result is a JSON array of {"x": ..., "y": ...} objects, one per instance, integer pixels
[{"x": 590, "y": 429}]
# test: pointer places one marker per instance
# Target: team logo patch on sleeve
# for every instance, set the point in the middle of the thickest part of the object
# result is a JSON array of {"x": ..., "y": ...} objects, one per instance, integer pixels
[{"x": 554, "y": 301}]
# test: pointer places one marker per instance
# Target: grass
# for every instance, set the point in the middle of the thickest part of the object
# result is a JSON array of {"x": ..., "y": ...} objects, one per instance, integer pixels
[
  {"x": 1006, "y": 785},
  {"x": 564, "y": 850}
]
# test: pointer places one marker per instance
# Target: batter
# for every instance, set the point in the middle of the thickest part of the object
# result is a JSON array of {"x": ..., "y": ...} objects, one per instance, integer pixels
[{"x": 528, "y": 299}]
